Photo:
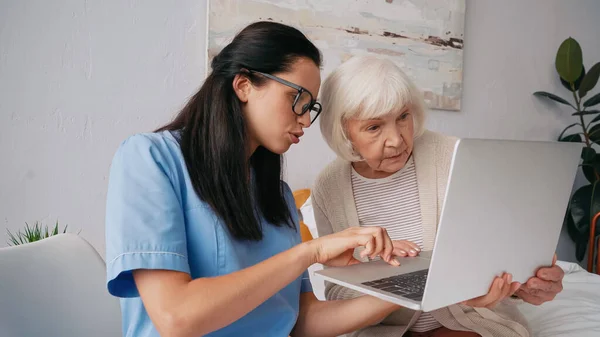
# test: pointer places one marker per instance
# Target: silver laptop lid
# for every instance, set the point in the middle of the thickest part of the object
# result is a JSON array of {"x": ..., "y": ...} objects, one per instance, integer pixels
[{"x": 505, "y": 204}]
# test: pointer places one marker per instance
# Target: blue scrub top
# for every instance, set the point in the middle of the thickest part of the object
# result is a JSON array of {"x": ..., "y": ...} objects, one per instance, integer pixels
[{"x": 155, "y": 220}]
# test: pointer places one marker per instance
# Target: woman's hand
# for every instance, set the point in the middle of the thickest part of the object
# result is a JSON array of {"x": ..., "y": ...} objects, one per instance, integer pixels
[
  {"x": 336, "y": 249},
  {"x": 501, "y": 288},
  {"x": 405, "y": 248},
  {"x": 544, "y": 286}
]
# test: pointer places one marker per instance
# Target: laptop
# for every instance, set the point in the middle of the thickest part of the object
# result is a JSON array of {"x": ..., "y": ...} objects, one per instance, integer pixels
[{"x": 503, "y": 212}]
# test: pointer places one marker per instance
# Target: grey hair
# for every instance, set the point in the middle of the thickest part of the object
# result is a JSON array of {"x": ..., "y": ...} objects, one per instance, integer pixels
[{"x": 365, "y": 87}]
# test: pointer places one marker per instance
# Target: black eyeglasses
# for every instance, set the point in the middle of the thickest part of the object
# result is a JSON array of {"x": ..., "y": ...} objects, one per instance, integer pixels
[{"x": 303, "y": 102}]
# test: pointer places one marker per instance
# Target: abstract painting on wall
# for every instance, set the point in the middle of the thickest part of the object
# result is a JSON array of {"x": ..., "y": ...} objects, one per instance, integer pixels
[{"x": 424, "y": 37}]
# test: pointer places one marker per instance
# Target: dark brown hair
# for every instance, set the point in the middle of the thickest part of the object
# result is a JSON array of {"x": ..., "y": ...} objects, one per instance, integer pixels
[{"x": 213, "y": 136}]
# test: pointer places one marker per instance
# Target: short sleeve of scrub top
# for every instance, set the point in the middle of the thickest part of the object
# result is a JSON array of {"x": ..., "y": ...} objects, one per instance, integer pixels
[
  {"x": 154, "y": 220},
  {"x": 146, "y": 222}
]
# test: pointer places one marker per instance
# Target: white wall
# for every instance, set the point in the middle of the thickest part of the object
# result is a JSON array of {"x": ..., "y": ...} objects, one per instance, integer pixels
[{"x": 76, "y": 77}]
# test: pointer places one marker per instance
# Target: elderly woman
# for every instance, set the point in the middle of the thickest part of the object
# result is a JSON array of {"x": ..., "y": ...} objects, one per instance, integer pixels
[{"x": 391, "y": 172}]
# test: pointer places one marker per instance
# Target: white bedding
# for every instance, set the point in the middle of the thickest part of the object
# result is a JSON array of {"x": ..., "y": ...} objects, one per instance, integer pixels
[{"x": 575, "y": 312}]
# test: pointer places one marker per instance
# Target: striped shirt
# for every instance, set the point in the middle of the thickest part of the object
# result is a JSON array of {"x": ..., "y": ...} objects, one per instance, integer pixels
[{"x": 393, "y": 203}]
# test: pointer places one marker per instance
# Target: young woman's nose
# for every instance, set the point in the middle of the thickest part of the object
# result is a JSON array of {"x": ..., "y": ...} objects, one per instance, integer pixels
[{"x": 304, "y": 120}]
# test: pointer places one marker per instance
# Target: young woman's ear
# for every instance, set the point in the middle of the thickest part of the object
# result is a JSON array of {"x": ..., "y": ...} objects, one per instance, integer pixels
[{"x": 242, "y": 87}]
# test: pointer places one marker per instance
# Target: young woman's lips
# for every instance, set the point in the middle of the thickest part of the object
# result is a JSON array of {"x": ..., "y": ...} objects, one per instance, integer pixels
[{"x": 295, "y": 137}]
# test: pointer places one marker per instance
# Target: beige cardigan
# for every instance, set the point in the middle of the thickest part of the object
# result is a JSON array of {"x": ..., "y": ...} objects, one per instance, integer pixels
[{"x": 335, "y": 210}]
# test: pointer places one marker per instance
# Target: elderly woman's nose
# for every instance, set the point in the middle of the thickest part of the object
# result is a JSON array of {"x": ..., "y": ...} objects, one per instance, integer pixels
[{"x": 394, "y": 137}]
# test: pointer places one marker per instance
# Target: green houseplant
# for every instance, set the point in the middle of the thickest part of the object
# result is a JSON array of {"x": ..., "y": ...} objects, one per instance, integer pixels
[
  {"x": 34, "y": 233},
  {"x": 585, "y": 202}
]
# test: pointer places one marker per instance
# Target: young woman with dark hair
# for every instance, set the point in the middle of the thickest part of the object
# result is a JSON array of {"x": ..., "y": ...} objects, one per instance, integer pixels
[{"x": 202, "y": 235}]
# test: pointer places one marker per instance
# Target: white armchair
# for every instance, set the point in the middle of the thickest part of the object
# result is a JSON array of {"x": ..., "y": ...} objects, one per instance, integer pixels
[{"x": 56, "y": 287}]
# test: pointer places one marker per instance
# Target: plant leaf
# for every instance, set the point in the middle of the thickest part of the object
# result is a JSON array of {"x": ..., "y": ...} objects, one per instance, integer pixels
[
  {"x": 569, "y": 60},
  {"x": 588, "y": 154},
  {"x": 567, "y": 128},
  {"x": 594, "y": 133},
  {"x": 580, "y": 239},
  {"x": 552, "y": 97},
  {"x": 12, "y": 239},
  {"x": 38, "y": 232},
  {"x": 597, "y": 118},
  {"x": 589, "y": 81},
  {"x": 585, "y": 112},
  {"x": 574, "y": 138},
  {"x": 595, "y": 164},
  {"x": 33, "y": 233},
  {"x": 28, "y": 233},
  {"x": 580, "y": 249},
  {"x": 592, "y": 101},
  {"x": 589, "y": 173},
  {"x": 577, "y": 83},
  {"x": 584, "y": 204},
  {"x": 569, "y": 223}
]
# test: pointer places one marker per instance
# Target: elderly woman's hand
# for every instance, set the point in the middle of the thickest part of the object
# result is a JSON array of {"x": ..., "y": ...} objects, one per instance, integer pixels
[
  {"x": 405, "y": 248},
  {"x": 501, "y": 288},
  {"x": 544, "y": 286}
]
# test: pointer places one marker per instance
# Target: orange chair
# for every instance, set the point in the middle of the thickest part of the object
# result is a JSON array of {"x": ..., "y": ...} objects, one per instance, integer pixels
[{"x": 300, "y": 197}]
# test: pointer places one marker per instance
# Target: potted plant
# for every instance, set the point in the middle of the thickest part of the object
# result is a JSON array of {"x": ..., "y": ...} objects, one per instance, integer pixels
[
  {"x": 585, "y": 202},
  {"x": 31, "y": 234}
]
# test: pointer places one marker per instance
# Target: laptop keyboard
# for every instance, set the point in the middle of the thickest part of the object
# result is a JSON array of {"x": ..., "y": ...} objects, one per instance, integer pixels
[{"x": 411, "y": 285}]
